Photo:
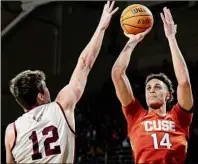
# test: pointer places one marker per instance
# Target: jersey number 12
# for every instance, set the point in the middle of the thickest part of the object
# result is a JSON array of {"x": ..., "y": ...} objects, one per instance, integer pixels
[{"x": 48, "y": 151}]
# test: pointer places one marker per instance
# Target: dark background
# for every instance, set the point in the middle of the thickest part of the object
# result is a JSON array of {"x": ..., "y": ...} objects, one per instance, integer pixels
[{"x": 51, "y": 39}]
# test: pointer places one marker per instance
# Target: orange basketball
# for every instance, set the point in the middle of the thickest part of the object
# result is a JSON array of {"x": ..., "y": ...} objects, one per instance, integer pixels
[{"x": 136, "y": 19}]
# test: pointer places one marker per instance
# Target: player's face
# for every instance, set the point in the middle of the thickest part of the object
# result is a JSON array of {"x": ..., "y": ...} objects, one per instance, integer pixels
[{"x": 156, "y": 93}]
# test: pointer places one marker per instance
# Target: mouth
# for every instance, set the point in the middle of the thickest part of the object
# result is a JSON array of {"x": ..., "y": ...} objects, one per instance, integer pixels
[{"x": 152, "y": 97}]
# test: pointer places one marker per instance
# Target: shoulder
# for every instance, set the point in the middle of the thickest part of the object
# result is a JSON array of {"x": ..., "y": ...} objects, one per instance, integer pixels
[
  {"x": 10, "y": 133},
  {"x": 10, "y": 129},
  {"x": 133, "y": 110},
  {"x": 178, "y": 108},
  {"x": 134, "y": 104},
  {"x": 55, "y": 108},
  {"x": 183, "y": 116}
]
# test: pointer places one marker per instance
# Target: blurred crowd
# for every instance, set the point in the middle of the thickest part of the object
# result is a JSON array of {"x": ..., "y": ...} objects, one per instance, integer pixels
[{"x": 101, "y": 127}]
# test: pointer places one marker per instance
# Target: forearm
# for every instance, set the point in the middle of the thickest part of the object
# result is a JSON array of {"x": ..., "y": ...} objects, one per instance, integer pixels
[
  {"x": 91, "y": 51},
  {"x": 180, "y": 68},
  {"x": 86, "y": 60},
  {"x": 123, "y": 60}
]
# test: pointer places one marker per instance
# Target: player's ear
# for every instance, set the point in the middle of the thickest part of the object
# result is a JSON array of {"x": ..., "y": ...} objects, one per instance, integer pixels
[
  {"x": 40, "y": 98},
  {"x": 168, "y": 96}
]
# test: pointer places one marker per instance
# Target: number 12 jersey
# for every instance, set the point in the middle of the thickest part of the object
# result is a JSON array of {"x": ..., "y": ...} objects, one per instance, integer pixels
[{"x": 43, "y": 135}]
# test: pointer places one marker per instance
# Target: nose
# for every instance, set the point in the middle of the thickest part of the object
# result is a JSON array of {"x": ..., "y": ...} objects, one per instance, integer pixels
[{"x": 152, "y": 90}]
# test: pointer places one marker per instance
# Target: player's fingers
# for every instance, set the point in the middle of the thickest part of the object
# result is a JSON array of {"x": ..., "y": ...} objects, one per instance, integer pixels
[
  {"x": 163, "y": 19},
  {"x": 170, "y": 16},
  {"x": 127, "y": 35},
  {"x": 166, "y": 14},
  {"x": 115, "y": 10},
  {"x": 105, "y": 6},
  {"x": 111, "y": 6},
  {"x": 108, "y": 2},
  {"x": 130, "y": 36},
  {"x": 147, "y": 31},
  {"x": 142, "y": 34}
]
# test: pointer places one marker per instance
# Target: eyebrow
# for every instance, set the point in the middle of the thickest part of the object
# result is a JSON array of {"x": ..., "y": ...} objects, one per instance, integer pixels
[{"x": 155, "y": 84}]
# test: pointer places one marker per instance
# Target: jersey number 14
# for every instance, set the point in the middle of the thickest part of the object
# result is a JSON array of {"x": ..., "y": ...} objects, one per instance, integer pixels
[{"x": 164, "y": 142}]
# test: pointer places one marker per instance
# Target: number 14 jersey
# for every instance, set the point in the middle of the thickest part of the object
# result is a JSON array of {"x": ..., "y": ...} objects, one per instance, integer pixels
[
  {"x": 157, "y": 139},
  {"x": 43, "y": 135}
]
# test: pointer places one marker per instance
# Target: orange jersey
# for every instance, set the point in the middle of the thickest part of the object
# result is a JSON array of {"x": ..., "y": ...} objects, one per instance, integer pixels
[{"x": 157, "y": 139}]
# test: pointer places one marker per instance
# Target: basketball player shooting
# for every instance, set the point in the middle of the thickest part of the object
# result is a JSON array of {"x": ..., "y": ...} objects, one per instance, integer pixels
[
  {"x": 45, "y": 132},
  {"x": 156, "y": 136}
]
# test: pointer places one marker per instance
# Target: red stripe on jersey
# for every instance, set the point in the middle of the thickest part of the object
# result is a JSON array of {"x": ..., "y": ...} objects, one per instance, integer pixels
[
  {"x": 15, "y": 132},
  {"x": 66, "y": 118}
]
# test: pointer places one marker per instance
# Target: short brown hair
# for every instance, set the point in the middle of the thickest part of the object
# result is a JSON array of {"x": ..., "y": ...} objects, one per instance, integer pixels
[{"x": 25, "y": 87}]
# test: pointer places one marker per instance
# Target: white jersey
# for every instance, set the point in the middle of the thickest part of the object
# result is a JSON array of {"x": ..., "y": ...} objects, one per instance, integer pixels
[{"x": 43, "y": 135}]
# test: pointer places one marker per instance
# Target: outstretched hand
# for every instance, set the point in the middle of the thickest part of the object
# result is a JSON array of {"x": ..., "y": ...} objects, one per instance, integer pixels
[
  {"x": 170, "y": 27},
  {"x": 107, "y": 14},
  {"x": 138, "y": 37}
]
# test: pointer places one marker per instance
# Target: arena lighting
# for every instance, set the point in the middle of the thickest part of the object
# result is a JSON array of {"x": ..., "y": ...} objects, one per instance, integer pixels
[{"x": 27, "y": 7}]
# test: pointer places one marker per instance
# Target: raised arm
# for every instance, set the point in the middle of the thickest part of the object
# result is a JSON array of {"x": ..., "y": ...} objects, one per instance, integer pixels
[
  {"x": 70, "y": 94},
  {"x": 184, "y": 92},
  {"x": 122, "y": 85}
]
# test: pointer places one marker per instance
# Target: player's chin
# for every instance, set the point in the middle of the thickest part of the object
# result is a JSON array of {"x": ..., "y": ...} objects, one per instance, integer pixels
[{"x": 155, "y": 104}]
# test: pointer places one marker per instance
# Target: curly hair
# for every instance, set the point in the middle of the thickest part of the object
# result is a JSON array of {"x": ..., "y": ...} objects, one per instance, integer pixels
[
  {"x": 25, "y": 87},
  {"x": 165, "y": 80}
]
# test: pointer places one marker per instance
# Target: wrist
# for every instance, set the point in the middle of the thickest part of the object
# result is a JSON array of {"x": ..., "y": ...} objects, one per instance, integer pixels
[
  {"x": 171, "y": 38},
  {"x": 132, "y": 42},
  {"x": 101, "y": 27}
]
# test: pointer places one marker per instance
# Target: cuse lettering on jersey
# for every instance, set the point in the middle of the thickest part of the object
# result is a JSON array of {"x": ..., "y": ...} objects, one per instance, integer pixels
[{"x": 157, "y": 138}]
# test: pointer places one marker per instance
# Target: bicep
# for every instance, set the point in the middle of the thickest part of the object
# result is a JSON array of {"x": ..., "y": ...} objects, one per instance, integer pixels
[
  {"x": 184, "y": 96},
  {"x": 71, "y": 93},
  {"x": 68, "y": 97},
  {"x": 123, "y": 88}
]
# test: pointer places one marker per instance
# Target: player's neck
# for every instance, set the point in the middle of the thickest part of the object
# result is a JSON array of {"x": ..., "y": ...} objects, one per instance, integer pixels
[
  {"x": 161, "y": 111},
  {"x": 27, "y": 110}
]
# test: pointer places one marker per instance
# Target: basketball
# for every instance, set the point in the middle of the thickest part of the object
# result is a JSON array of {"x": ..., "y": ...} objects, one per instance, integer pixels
[{"x": 135, "y": 19}]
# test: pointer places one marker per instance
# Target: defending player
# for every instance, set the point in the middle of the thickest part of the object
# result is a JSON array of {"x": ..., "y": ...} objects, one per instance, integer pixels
[
  {"x": 45, "y": 133},
  {"x": 156, "y": 136}
]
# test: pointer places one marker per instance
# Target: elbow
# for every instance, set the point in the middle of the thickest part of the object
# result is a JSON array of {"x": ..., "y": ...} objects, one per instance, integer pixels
[
  {"x": 188, "y": 105},
  {"x": 183, "y": 77},
  {"x": 117, "y": 72},
  {"x": 184, "y": 82},
  {"x": 88, "y": 57},
  {"x": 84, "y": 62}
]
